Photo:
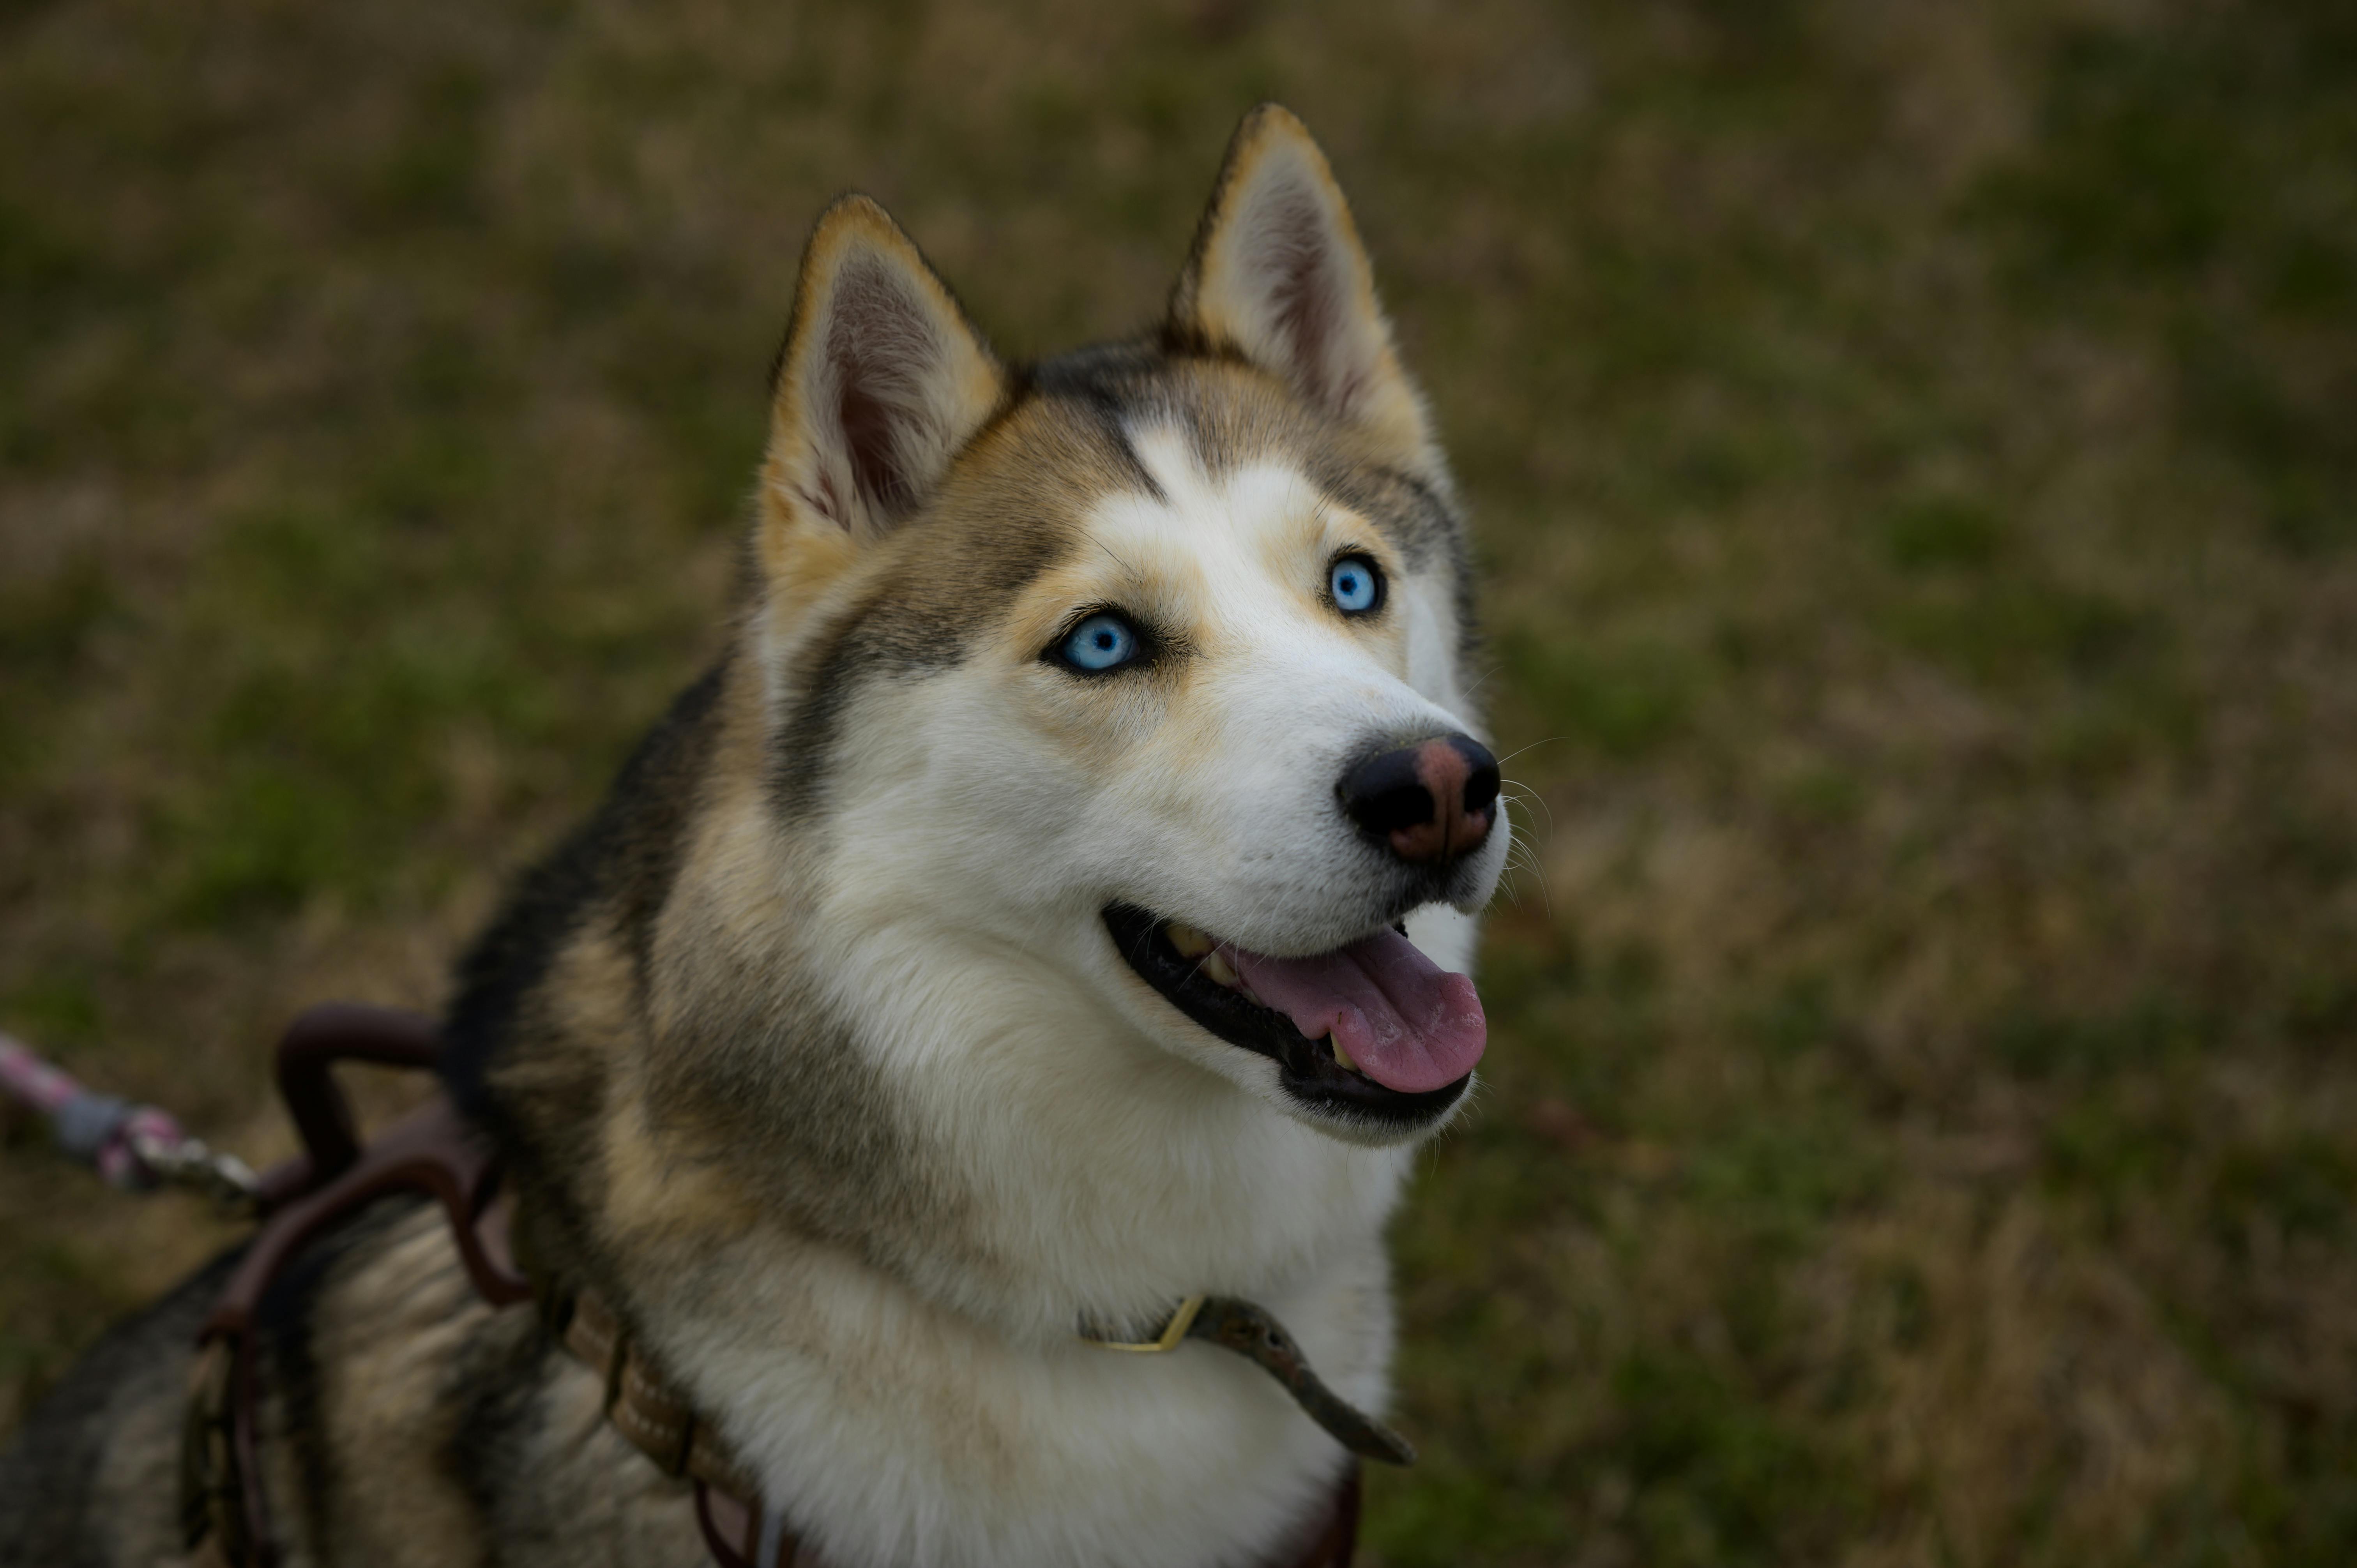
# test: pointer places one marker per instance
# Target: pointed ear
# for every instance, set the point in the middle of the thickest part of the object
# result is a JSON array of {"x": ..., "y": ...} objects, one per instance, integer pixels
[
  {"x": 881, "y": 381},
  {"x": 1278, "y": 276}
]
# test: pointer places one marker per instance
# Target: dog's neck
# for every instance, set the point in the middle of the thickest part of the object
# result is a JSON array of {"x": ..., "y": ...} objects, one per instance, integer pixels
[
  {"x": 980, "y": 1131},
  {"x": 856, "y": 1187},
  {"x": 973, "y": 1129}
]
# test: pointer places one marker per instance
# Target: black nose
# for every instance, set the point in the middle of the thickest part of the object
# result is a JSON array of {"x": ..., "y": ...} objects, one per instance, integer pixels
[{"x": 1431, "y": 801}]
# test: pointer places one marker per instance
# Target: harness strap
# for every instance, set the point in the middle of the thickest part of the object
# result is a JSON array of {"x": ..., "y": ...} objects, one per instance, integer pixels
[
  {"x": 224, "y": 1496},
  {"x": 224, "y": 1501},
  {"x": 222, "y": 1484}
]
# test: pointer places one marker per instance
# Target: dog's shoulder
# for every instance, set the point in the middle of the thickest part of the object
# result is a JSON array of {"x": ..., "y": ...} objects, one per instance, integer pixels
[
  {"x": 611, "y": 874},
  {"x": 88, "y": 1478}
]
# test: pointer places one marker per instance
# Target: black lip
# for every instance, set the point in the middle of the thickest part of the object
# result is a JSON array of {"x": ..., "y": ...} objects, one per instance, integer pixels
[{"x": 1307, "y": 1068}]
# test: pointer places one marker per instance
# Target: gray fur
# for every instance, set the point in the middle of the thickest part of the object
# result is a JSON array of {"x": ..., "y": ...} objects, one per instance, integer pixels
[{"x": 623, "y": 993}]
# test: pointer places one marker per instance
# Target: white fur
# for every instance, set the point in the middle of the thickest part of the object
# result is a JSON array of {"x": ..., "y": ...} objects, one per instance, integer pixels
[{"x": 1116, "y": 1156}]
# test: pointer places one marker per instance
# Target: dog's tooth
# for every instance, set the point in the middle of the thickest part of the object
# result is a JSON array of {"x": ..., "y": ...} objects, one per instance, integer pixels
[
  {"x": 1217, "y": 966},
  {"x": 1341, "y": 1056},
  {"x": 1190, "y": 942}
]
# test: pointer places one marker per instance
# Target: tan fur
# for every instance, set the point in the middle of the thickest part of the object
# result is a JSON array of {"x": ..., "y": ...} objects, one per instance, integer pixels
[
  {"x": 812, "y": 1054},
  {"x": 805, "y": 486},
  {"x": 383, "y": 1367},
  {"x": 1274, "y": 160}
]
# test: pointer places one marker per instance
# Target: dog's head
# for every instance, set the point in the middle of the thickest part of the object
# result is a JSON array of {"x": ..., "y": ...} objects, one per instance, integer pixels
[{"x": 1142, "y": 664}]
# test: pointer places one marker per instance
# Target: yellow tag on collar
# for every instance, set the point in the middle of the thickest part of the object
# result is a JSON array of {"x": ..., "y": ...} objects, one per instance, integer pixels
[{"x": 1172, "y": 1332}]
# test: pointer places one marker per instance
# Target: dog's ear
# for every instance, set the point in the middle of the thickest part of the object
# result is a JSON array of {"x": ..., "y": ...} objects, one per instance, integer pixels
[
  {"x": 882, "y": 380},
  {"x": 1278, "y": 274}
]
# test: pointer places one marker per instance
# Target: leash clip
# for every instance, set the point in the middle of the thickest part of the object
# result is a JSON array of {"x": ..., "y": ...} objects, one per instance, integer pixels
[{"x": 229, "y": 1182}]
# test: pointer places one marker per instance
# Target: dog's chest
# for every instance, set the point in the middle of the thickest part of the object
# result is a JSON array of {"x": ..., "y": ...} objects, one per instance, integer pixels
[{"x": 892, "y": 1433}]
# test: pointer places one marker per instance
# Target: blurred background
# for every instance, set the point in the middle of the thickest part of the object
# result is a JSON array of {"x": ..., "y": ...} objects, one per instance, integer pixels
[{"x": 1914, "y": 449}]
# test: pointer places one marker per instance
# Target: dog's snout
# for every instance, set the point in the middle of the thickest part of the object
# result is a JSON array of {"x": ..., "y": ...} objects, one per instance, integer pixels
[{"x": 1427, "y": 802}]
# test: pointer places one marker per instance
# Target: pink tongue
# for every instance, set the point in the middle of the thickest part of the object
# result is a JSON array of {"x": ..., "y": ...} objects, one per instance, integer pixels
[{"x": 1409, "y": 1023}]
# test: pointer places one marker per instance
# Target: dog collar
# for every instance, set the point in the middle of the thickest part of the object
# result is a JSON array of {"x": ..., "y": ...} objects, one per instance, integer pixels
[
  {"x": 741, "y": 1532},
  {"x": 1253, "y": 1332},
  {"x": 224, "y": 1503}
]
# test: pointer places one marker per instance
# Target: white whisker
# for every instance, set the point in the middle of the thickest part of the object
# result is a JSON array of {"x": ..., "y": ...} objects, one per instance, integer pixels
[
  {"x": 1533, "y": 746},
  {"x": 1525, "y": 791}
]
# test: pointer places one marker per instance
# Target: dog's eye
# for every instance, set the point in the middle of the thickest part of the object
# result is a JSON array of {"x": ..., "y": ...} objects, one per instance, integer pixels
[
  {"x": 1356, "y": 585},
  {"x": 1104, "y": 641}
]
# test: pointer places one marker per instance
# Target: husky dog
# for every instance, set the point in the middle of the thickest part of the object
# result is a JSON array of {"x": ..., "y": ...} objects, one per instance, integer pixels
[{"x": 1045, "y": 911}]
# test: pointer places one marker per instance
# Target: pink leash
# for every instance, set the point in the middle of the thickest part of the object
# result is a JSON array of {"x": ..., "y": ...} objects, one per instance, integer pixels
[{"x": 134, "y": 1147}]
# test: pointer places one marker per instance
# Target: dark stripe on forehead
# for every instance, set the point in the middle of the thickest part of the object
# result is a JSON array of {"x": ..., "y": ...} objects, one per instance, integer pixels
[
  {"x": 1116, "y": 386},
  {"x": 1230, "y": 422},
  {"x": 1112, "y": 418},
  {"x": 1232, "y": 414}
]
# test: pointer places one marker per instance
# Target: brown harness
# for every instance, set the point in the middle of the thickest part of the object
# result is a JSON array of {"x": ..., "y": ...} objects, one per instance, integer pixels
[{"x": 224, "y": 1501}]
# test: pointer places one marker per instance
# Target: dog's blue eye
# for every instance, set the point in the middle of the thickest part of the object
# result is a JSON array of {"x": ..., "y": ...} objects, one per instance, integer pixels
[
  {"x": 1100, "y": 642},
  {"x": 1356, "y": 585}
]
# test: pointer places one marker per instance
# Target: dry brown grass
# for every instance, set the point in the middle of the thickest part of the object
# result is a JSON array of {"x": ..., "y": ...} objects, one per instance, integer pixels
[{"x": 1909, "y": 448}]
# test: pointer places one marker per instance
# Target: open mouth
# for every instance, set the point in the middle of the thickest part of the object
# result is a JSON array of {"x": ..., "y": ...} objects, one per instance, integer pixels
[{"x": 1373, "y": 1030}]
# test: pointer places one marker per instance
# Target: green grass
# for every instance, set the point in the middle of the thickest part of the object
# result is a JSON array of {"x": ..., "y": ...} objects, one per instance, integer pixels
[{"x": 1909, "y": 452}]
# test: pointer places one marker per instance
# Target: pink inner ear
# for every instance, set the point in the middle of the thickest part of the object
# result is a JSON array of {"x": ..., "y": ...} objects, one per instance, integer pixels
[
  {"x": 1290, "y": 251},
  {"x": 881, "y": 351},
  {"x": 867, "y": 440}
]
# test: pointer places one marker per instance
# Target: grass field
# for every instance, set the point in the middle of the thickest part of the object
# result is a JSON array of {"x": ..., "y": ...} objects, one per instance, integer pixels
[{"x": 1922, "y": 1121}]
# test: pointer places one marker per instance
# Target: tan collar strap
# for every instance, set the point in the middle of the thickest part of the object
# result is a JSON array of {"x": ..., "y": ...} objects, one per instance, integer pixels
[
  {"x": 660, "y": 1423},
  {"x": 1253, "y": 1332},
  {"x": 642, "y": 1406}
]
